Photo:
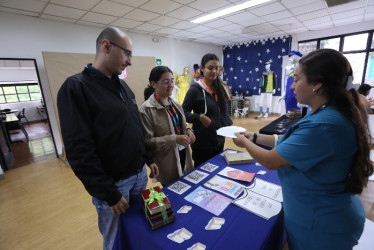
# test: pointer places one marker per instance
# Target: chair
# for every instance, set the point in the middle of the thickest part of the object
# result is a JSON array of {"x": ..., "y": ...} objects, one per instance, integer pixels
[
  {"x": 21, "y": 115},
  {"x": 16, "y": 125}
]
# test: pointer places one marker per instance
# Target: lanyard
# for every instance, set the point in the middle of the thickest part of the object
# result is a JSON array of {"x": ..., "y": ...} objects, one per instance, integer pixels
[
  {"x": 173, "y": 114},
  {"x": 320, "y": 108},
  {"x": 210, "y": 92}
]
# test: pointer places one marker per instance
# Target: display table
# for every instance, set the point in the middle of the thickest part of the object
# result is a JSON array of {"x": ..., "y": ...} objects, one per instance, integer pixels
[
  {"x": 279, "y": 126},
  {"x": 242, "y": 229}
]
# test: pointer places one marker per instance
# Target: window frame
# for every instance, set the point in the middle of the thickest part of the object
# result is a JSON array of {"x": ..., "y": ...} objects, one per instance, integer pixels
[
  {"x": 367, "y": 50},
  {"x": 15, "y": 85}
]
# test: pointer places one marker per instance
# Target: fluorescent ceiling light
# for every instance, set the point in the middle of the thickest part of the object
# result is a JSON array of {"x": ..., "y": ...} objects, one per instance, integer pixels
[{"x": 229, "y": 10}]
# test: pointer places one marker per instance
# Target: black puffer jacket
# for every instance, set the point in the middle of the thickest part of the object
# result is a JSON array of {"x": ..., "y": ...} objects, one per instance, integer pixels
[{"x": 199, "y": 101}]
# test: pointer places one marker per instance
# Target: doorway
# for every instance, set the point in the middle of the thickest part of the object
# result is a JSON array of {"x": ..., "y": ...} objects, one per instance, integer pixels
[{"x": 22, "y": 97}]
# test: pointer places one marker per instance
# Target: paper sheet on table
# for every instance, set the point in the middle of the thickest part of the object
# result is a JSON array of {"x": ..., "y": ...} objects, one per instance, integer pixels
[
  {"x": 229, "y": 131},
  {"x": 226, "y": 186},
  {"x": 237, "y": 174}
]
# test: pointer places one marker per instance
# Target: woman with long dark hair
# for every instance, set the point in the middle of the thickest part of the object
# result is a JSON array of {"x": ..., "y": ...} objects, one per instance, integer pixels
[
  {"x": 323, "y": 160},
  {"x": 205, "y": 106}
]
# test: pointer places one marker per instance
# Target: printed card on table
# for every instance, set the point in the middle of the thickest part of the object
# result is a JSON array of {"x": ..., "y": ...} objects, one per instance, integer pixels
[
  {"x": 209, "y": 167},
  {"x": 237, "y": 174},
  {"x": 208, "y": 200},
  {"x": 195, "y": 176},
  {"x": 179, "y": 187},
  {"x": 226, "y": 186}
]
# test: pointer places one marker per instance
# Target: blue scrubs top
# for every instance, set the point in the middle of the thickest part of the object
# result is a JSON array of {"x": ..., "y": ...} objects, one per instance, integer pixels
[{"x": 321, "y": 149}]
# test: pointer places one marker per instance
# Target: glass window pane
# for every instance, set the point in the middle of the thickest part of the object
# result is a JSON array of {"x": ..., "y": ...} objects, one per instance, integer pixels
[
  {"x": 11, "y": 98},
  {"x": 369, "y": 77},
  {"x": 1, "y": 91},
  {"x": 2, "y": 99},
  {"x": 22, "y": 89},
  {"x": 35, "y": 96},
  {"x": 34, "y": 88},
  {"x": 357, "y": 61},
  {"x": 332, "y": 43},
  {"x": 306, "y": 47},
  {"x": 372, "y": 42},
  {"x": 23, "y": 97},
  {"x": 355, "y": 42},
  {"x": 9, "y": 90}
]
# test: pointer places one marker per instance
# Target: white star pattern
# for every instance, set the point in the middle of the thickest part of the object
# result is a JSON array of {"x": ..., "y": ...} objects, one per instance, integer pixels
[
  {"x": 254, "y": 87},
  {"x": 284, "y": 39},
  {"x": 235, "y": 77},
  {"x": 241, "y": 70},
  {"x": 273, "y": 41},
  {"x": 231, "y": 69},
  {"x": 245, "y": 61},
  {"x": 247, "y": 79},
  {"x": 258, "y": 79},
  {"x": 263, "y": 42},
  {"x": 268, "y": 51},
  {"x": 260, "y": 61},
  {"x": 228, "y": 56},
  {"x": 279, "y": 56},
  {"x": 259, "y": 54},
  {"x": 239, "y": 58},
  {"x": 240, "y": 86},
  {"x": 247, "y": 92},
  {"x": 256, "y": 69},
  {"x": 283, "y": 50},
  {"x": 250, "y": 72}
]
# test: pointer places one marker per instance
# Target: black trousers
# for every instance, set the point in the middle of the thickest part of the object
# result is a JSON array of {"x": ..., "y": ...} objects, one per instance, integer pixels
[{"x": 201, "y": 155}]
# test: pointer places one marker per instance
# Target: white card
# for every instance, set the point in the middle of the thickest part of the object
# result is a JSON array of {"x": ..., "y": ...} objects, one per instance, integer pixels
[
  {"x": 195, "y": 176},
  {"x": 209, "y": 167},
  {"x": 179, "y": 187}
]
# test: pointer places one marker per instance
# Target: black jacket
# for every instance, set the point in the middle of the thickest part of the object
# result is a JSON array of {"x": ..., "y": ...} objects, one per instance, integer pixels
[
  {"x": 102, "y": 132},
  {"x": 216, "y": 111}
]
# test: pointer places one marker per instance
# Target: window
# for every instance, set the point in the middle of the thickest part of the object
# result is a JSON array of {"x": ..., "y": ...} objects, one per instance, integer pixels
[
  {"x": 357, "y": 47},
  {"x": 355, "y": 42},
  {"x": 332, "y": 43},
  {"x": 306, "y": 47},
  {"x": 19, "y": 92}
]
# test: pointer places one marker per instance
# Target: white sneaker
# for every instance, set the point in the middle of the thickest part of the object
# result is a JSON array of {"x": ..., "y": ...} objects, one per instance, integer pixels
[
  {"x": 259, "y": 116},
  {"x": 266, "y": 115}
]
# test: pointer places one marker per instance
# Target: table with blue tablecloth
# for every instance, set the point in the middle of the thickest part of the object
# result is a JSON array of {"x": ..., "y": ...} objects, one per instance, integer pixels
[{"x": 241, "y": 230}]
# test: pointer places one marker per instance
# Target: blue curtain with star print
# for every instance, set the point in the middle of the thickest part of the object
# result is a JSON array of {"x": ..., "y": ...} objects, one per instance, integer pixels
[{"x": 245, "y": 62}]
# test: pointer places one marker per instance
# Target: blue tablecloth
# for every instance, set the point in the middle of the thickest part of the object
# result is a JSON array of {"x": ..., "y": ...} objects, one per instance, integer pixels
[{"x": 242, "y": 229}]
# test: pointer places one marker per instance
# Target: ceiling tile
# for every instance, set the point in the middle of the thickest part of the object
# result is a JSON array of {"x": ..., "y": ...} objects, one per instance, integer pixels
[
  {"x": 112, "y": 9},
  {"x": 281, "y": 22},
  {"x": 348, "y": 20},
  {"x": 263, "y": 28},
  {"x": 148, "y": 27},
  {"x": 184, "y": 1},
  {"x": 141, "y": 15},
  {"x": 56, "y": 18},
  {"x": 167, "y": 31},
  {"x": 56, "y": 10},
  {"x": 231, "y": 27},
  {"x": 371, "y": 2},
  {"x": 126, "y": 23},
  {"x": 30, "y": 5},
  {"x": 183, "y": 34},
  {"x": 185, "y": 13},
  {"x": 196, "y": 35},
  {"x": 83, "y": 5},
  {"x": 312, "y": 15},
  {"x": 369, "y": 16},
  {"x": 319, "y": 26},
  {"x": 241, "y": 17},
  {"x": 354, "y": 12},
  {"x": 319, "y": 5},
  {"x": 19, "y": 12},
  {"x": 296, "y": 3},
  {"x": 91, "y": 24},
  {"x": 370, "y": 8},
  {"x": 183, "y": 25},
  {"x": 238, "y": 31},
  {"x": 98, "y": 18},
  {"x": 267, "y": 9},
  {"x": 297, "y": 30},
  {"x": 277, "y": 16},
  {"x": 315, "y": 21},
  {"x": 133, "y": 3},
  {"x": 218, "y": 23},
  {"x": 207, "y": 6},
  {"x": 212, "y": 32},
  {"x": 200, "y": 28},
  {"x": 164, "y": 21},
  {"x": 160, "y": 6},
  {"x": 347, "y": 6},
  {"x": 291, "y": 26}
]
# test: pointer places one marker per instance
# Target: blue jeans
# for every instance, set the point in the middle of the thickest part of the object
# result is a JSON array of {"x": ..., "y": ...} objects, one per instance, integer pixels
[{"x": 131, "y": 189}]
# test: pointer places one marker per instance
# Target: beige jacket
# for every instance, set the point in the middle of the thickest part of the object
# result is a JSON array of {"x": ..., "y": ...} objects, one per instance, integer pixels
[{"x": 161, "y": 137}]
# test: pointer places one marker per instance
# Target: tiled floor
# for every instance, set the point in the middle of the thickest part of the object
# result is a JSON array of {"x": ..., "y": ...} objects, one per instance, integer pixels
[{"x": 39, "y": 147}]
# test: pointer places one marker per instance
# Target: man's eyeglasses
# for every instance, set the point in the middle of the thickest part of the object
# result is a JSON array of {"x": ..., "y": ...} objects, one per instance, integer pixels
[
  {"x": 126, "y": 51},
  {"x": 167, "y": 82}
]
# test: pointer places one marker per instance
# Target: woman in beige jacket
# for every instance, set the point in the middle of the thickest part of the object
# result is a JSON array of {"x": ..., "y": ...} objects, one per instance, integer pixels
[{"x": 165, "y": 125}]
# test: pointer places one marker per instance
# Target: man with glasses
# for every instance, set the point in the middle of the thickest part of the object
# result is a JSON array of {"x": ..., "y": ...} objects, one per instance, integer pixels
[{"x": 103, "y": 134}]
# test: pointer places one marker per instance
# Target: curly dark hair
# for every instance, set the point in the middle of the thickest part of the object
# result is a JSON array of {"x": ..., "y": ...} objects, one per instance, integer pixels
[{"x": 332, "y": 69}]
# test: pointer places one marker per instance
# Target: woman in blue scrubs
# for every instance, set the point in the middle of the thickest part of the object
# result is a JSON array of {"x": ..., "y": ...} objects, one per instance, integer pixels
[{"x": 323, "y": 160}]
